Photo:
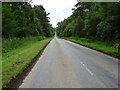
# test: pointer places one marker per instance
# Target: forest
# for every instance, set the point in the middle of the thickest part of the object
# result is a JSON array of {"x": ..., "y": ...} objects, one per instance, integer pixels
[
  {"x": 93, "y": 21},
  {"x": 22, "y": 20}
]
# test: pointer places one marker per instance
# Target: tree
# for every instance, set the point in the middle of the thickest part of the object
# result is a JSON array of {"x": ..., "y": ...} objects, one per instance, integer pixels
[
  {"x": 8, "y": 22},
  {"x": 44, "y": 19},
  {"x": 23, "y": 20}
]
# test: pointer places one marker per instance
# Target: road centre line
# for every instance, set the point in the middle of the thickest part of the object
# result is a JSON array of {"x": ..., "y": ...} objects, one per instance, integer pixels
[{"x": 87, "y": 68}]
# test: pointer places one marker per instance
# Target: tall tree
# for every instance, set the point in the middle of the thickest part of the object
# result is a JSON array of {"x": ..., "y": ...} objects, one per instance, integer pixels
[
  {"x": 8, "y": 21},
  {"x": 23, "y": 20}
]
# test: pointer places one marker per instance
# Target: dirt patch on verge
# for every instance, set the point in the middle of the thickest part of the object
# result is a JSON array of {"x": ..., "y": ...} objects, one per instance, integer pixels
[{"x": 18, "y": 80}]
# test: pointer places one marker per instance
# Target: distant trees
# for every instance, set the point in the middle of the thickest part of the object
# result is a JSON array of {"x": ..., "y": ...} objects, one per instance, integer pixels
[
  {"x": 20, "y": 19},
  {"x": 97, "y": 21}
]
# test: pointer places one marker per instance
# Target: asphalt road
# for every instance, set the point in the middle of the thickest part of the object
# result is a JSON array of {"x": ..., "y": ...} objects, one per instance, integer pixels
[{"x": 64, "y": 64}]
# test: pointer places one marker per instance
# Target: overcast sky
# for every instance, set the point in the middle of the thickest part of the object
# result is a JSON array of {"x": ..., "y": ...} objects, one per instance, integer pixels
[{"x": 58, "y": 9}]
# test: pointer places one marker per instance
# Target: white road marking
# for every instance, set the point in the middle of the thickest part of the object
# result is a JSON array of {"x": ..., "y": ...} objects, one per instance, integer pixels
[{"x": 87, "y": 69}]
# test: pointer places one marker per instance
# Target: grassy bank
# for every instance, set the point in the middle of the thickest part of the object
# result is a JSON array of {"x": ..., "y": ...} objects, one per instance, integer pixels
[
  {"x": 107, "y": 48},
  {"x": 17, "y": 54}
]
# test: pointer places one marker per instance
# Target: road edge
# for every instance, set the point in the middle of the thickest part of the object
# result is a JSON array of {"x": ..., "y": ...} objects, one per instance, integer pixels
[
  {"x": 18, "y": 80},
  {"x": 115, "y": 56}
]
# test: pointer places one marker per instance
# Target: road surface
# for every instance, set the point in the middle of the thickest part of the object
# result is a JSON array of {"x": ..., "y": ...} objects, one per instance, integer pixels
[{"x": 64, "y": 64}]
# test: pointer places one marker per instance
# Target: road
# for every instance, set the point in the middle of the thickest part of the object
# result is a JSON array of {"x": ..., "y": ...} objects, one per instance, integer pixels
[{"x": 64, "y": 64}]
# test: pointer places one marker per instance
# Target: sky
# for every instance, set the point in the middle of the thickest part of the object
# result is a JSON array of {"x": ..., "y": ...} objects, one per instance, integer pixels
[{"x": 58, "y": 9}]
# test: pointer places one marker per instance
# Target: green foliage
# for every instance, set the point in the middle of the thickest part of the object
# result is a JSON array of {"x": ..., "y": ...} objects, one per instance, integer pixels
[
  {"x": 62, "y": 25},
  {"x": 118, "y": 48},
  {"x": 20, "y": 19},
  {"x": 44, "y": 20},
  {"x": 11, "y": 44},
  {"x": 78, "y": 27},
  {"x": 39, "y": 38},
  {"x": 8, "y": 21}
]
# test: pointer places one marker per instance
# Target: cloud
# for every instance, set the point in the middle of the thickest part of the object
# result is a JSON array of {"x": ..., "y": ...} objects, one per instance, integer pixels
[{"x": 59, "y": 9}]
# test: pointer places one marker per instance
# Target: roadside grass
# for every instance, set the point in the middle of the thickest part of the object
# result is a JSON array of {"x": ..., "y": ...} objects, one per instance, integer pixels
[
  {"x": 104, "y": 47},
  {"x": 15, "y": 60}
]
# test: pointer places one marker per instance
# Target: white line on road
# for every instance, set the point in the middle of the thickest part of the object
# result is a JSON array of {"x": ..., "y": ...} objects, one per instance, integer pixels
[{"x": 87, "y": 68}]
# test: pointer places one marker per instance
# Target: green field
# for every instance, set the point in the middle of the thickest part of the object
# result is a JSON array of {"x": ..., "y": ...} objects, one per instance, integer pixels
[
  {"x": 105, "y": 47},
  {"x": 17, "y": 54}
]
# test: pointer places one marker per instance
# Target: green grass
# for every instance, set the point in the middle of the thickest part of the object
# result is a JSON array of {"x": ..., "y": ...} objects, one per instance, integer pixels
[
  {"x": 15, "y": 60},
  {"x": 11, "y": 44},
  {"x": 105, "y": 47}
]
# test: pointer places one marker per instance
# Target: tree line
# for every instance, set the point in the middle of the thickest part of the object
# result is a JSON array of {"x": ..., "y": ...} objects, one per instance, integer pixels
[
  {"x": 96, "y": 21},
  {"x": 20, "y": 19}
]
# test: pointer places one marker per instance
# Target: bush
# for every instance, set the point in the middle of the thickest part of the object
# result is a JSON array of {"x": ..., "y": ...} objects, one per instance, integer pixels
[
  {"x": 10, "y": 44},
  {"x": 39, "y": 38}
]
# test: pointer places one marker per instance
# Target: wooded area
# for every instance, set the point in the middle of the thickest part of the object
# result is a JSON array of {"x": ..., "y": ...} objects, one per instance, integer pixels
[
  {"x": 96, "y": 21},
  {"x": 20, "y": 19}
]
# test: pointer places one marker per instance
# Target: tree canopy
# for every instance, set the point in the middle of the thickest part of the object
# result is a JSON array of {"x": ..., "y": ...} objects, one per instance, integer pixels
[
  {"x": 20, "y": 19},
  {"x": 94, "y": 21}
]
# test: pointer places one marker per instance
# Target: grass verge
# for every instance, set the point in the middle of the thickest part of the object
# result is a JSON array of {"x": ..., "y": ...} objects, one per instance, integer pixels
[
  {"x": 16, "y": 60},
  {"x": 97, "y": 45}
]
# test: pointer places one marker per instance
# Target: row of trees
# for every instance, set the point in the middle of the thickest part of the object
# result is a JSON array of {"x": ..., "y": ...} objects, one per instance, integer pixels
[
  {"x": 96, "y": 21},
  {"x": 20, "y": 19}
]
